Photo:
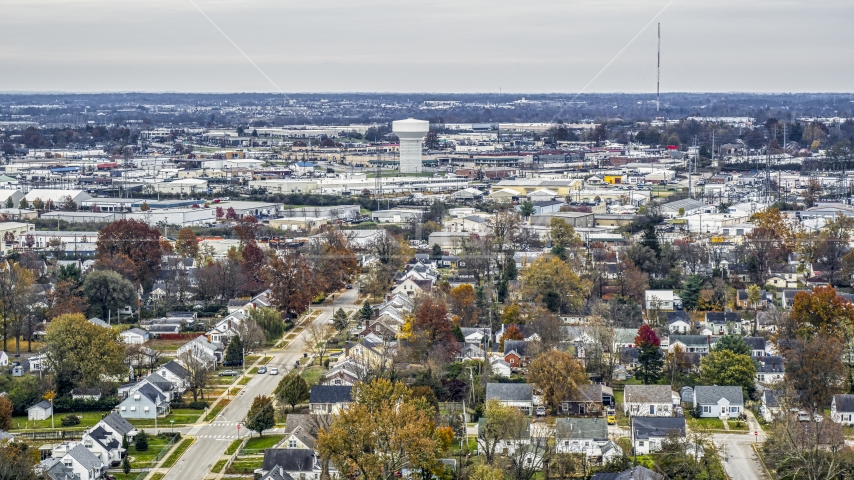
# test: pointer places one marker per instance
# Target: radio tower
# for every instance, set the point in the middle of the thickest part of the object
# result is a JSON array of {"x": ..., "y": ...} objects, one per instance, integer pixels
[{"x": 658, "y": 81}]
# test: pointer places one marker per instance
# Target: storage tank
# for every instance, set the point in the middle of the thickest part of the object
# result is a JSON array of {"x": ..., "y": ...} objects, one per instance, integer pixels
[{"x": 411, "y": 134}]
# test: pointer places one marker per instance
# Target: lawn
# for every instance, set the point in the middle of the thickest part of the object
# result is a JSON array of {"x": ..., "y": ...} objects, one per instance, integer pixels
[
  {"x": 253, "y": 371},
  {"x": 312, "y": 375},
  {"x": 233, "y": 446},
  {"x": 177, "y": 452},
  {"x": 89, "y": 419},
  {"x": 216, "y": 409},
  {"x": 259, "y": 444},
  {"x": 143, "y": 459},
  {"x": 179, "y": 416},
  {"x": 157, "y": 476},
  {"x": 244, "y": 380},
  {"x": 218, "y": 466},
  {"x": 245, "y": 465},
  {"x": 704, "y": 423}
]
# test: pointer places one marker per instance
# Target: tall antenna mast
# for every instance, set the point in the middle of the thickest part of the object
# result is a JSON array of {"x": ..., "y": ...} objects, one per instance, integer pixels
[{"x": 658, "y": 82}]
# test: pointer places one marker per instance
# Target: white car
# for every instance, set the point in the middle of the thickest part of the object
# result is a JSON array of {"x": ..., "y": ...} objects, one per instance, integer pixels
[{"x": 274, "y": 371}]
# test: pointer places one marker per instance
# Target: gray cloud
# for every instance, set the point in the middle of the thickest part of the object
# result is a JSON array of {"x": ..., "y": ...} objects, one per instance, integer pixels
[{"x": 416, "y": 45}]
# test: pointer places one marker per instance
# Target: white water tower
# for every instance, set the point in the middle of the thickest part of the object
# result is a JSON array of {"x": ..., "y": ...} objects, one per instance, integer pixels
[{"x": 411, "y": 134}]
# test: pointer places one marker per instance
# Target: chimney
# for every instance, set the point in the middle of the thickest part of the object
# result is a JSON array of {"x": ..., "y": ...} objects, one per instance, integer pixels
[{"x": 346, "y": 349}]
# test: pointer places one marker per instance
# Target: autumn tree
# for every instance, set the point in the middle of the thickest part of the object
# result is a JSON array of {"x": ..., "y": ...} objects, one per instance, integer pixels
[
  {"x": 106, "y": 291},
  {"x": 292, "y": 389},
  {"x": 385, "y": 431},
  {"x": 136, "y": 240},
  {"x": 822, "y": 312},
  {"x": 549, "y": 280},
  {"x": 81, "y": 353},
  {"x": 119, "y": 263},
  {"x": 261, "y": 415},
  {"x": 187, "y": 244},
  {"x": 198, "y": 371},
  {"x": 814, "y": 369},
  {"x": 512, "y": 332},
  {"x": 502, "y": 424},
  {"x": 291, "y": 282},
  {"x": 558, "y": 375},
  {"x": 66, "y": 298},
  {"x": 463, "y": 304},
  {"x": 317, "y": 340},
  {"x": 563, "y": 237},
  {"x": 429, "y": 329},
  {"x": 5, "y": 413},
  {"x": 649, "y": 355},
  {"x": 333, "y": 260},
  {"x": 18, "y": 461},
  {"x": 15, "y": 284},
  {"x": 726, "y": 368}
]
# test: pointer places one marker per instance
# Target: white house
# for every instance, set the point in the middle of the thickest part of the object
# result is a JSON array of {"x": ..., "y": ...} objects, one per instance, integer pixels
[
  {"x": 648, "y": 401},
  {"x": 40, "y": 411},
  {"x": 81, "y": 463},
  {"x": 329, "y": 398},
  {"x": 716, "y": 401},
  {"x": 770, "y": 369},
  {"x": 500, "y": 367},
  {"x": 581, "y": 435},
  {"x": 842, "y": 409},
  {"x": 648, "y": 433},
  {"x": 134, "y": 336},
  {"x": 662, "y": 300},
  {"x": 146, "y": 402},
  {"x": 519, "y": 395}
]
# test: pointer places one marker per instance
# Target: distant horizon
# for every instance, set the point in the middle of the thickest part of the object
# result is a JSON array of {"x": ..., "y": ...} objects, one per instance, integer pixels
[{"x": 401, "y": 92}]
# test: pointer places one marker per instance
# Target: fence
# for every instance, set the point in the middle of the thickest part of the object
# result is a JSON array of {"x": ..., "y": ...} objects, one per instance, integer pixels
[
  {"x": 179, "y": 336},
  {"x": 146, "y": 470},
  {"x": 52, "y": 435}
]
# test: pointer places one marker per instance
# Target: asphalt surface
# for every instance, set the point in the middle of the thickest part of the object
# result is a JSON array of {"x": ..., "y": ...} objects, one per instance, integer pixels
[
  {"x": 736, "y": 452},
  {"x": 213, "y": 438}
]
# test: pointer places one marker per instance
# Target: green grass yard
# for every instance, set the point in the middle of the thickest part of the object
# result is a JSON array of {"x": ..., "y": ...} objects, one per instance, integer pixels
[
  {"x": 177, "y": 452},
  {"x": 259, "y": 444},
  {"x": 88, "y": 419},
  {"x": 312, "y": 375}
]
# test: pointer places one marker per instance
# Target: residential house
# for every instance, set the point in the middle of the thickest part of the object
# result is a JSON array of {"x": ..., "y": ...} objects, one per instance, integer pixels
[
  {"x": 117, "y": 426},
  {"x": 765, "y": 299},
  {"x": 201, "y": 349},
  {"x": 723, "y": 323},
  {"x": 147, "y": 401},
  {"x": 691, "y": 343},
  {"x": 413, "y": 287},
  {"x": 40, "y": 411},
  {"x": 767, "y": 321},
  {"x": 476, "y": 336},
  {"x": 662, "y": 300},
  {"x": 470, "y": 352},
  {"x": 648, "y": 433},
  {"x": 769, "y": 370},
  {"x": 104, "y": 445},
  {"x": 718, "y": 401},
  {"x": 580, "y": 435},
  {"x": 786, "y": 277},
  {"x": 301, "y": 430},
  {"x": 516, "y": 352},
  {"x": 134, "y": 336},
  {"x": 176, "y": 374},
  {"x": 789, "y": 297},
  {"x": 329, "y": 398},
  {"x": 757, "y": 345},
  {"x": 770, "y": 407},
  {"x": 298, "y": 463},
  {"x": 635, "y": 473},
  {"x": 83, "y": 463},
  {"x": 648, "y": 400},
  {"x": 519, "y": 395},
  {"x": 842, "y": 409},
  {"x": 500, "y": 367},
  {"x": 624, "y": 338},
  {"x": 588, "y": 399},
  {"x": 507, "y": 445},
  {"x": 678, "y": 322}
]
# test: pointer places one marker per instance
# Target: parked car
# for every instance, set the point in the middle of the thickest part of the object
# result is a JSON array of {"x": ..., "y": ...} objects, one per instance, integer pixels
[
  {"x": 541, "y": 411},
  {"x": 262, "y": 370},
  {"x": 229, "y": 373},
  {"x": 274, "y": 371}
]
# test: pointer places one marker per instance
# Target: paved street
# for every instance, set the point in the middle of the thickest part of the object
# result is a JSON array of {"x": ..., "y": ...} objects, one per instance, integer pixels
[
  {"x": 736, "y": 452},
  {"x": 213, "y": 438}
]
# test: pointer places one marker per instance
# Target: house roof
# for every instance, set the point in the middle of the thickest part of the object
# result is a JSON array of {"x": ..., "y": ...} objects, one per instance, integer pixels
[
  {"x": 330, "y": 394},
  {"x": 519, "y": 346},
  {"x": 636, "y": 473},
  {"x": 646, "y": 427},
  {"x": 176, "y": 369},
  {"x": 512, "y": 392},
  {"x": 673, "y": 317},
  {"x": 290, "y": 459},
  {"x": 591, "y": 392},
  {"x": 581, "y": 428},
  {"x": 723, "y": 317},
  {"x": 648, "y": 394},
  {"x": 755, "y": 343},
  {"x": 84, "y": 457},
  {"x": 104, "y": 437},
  {"x": 709, "y": 395},
  {"x": 44, "y": 405},
  {"x": 136, "y": 331},
  {"x": 769, "y": 364},
  {"x": 85, "y": 391},
  {"x": 771, "y": 398},
  {"x": 118, "y": 423},
  {"x": 690, "y": 340},
  {"x": 277, "y": 473},
  {"x": 844, "y": 403}
]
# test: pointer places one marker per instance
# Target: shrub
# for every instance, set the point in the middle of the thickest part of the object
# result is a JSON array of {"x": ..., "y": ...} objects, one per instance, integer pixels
[
  {"x": 141, "y": 441},
  {"x": 70, "y": 420},
  {"x": 199, "y": 405}
]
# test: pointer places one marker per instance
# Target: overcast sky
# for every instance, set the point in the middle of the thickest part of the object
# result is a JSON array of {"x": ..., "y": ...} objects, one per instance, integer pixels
[{"x": 425, "y": 46}]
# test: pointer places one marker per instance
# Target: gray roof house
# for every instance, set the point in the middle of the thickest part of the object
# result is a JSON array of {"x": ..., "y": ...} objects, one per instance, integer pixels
[
  {"x": 842, "y": 409},
  {"x": 296, "y": 462},
  {"x": 329, "y": 398},
  {"x": 648, "y": 433},
  {"x": 83, "y": 463},
  {"x": 145, "y": 402},
  {"x": 580, "y": 435},
  {"x": 40, "y": 411},
  {"x": 715, "y": 401},
  {"x": 519, "y": 395},
  {"x": 648, "y": 400}
]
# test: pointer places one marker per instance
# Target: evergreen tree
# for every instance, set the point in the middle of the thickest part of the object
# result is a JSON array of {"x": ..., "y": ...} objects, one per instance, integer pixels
[
  {"x": 510, "y": 271},
  {"x": 650, "y": 358},
  {"x": 141, "y": 441},
  {"x": 435, "y": 252},
  {"x": 650, "y": 238},
  {"x": 234, "y": 352},
  {"x": 261, "y": 415},
  {"x": 126, "y": 466},
  {"x": 340, "y": 319},
  {"x": 366, "y": 311},
  {"x": 690, "y": 293}
]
